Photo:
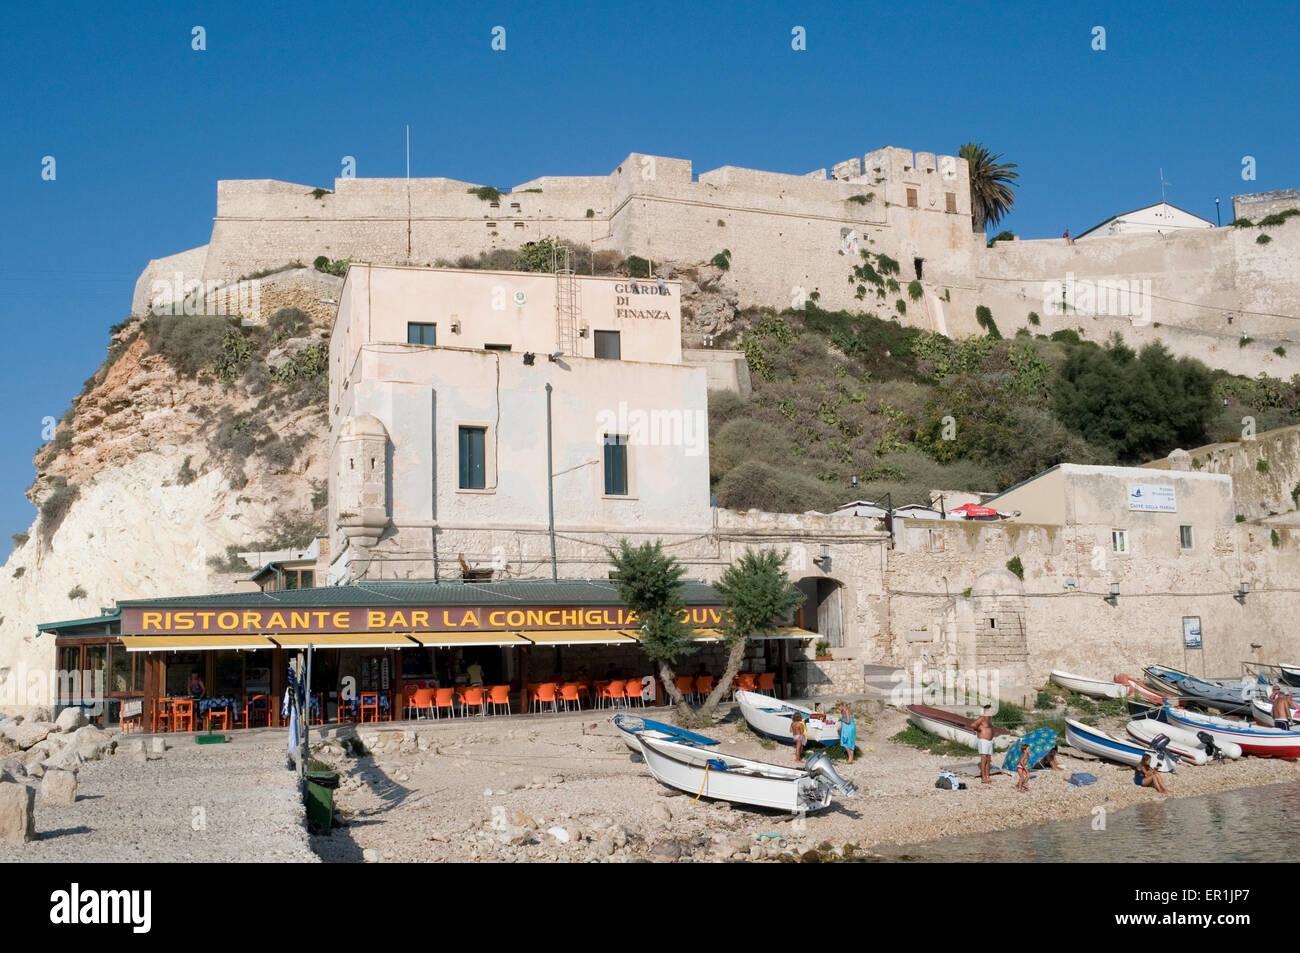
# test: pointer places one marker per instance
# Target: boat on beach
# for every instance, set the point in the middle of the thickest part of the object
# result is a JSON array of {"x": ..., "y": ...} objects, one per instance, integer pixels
[
  {"x": 1149, "y": 722},
  {"x": 712, "y": 774},
  {"x": 1224, "y": 694},
  {"x": 771, "y": 717},
  {"x": 953, "y": 727},
  {"x": 629, "y": 726},
  {"x": 1291, "y": 675},
  {"x": 1183, "y": 743},
  {"x": 1262, "y": 709},
  {"x": 1104, "y": 745},
  {"x": 1261, "y": 741},
  {"x": 1138, "y": 689},
  {"x": 1093, "y": 687}
]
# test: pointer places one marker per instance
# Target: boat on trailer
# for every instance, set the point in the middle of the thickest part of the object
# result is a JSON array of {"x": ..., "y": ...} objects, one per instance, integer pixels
[
  {"x": 1261, "y": 741},
  {"x": 1083, "y": 685},
  {"x": 954, "y": 727},
  {"x": 771, "y": 718},
  {"x": 1104, "y": 745},
  {"x": 629, "y": 726},
  {"x": 712, "y": 774}
]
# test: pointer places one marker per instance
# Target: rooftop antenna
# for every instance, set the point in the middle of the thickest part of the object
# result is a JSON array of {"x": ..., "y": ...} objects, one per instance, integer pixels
[{"x": 1163, "y": 183}]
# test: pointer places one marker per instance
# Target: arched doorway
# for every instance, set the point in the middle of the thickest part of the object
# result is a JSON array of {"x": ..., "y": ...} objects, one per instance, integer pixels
[{"x": 823, "y": 608}]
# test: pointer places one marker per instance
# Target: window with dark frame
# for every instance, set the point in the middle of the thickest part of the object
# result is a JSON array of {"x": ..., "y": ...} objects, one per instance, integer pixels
[
  {"x": 950, "y": 200},
  {"x": 496, "y": 347},
  {"x": 615, "y": 464},
  {"x": 473, "y": 460},
  {"x": 1185, "y": 537},
  {"x": 608, "y": 345},
  {"x": 911, "y": 198},
  {"x": 417, "y": 333}
]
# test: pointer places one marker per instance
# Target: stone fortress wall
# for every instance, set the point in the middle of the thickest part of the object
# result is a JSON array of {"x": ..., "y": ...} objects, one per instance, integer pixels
[{"x": 1199, "y": 291}]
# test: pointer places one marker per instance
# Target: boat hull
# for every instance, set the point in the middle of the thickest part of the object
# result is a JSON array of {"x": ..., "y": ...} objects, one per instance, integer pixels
[
  {"x": 1138, "y": 690},
  {"x": 946, "y": 725},
  {"x": 629, "y": 726},
  {"x": 755, "y": 783},
  {"x": 771, "y": 719},
  {"x": 1212, "y": 694},
  {"x": 1262, "y": 742},
  {"x": 1262, "y": 709},
  {"x": 1107, "y": 746},
  {"x": 1181, "y": 742},
  {"x": 1093, "y": 687}
]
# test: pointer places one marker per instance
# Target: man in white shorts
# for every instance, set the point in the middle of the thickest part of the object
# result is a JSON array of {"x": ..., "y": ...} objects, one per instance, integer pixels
[{"x": 983, "y": 728}]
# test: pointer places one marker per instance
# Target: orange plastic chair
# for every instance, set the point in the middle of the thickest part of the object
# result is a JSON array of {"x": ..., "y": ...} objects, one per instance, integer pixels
[
  {"x": 767, "y": 683},
  {"x": 444, "y": 698},
  {"x": 569, "y": 693},
  {"x": 546, "y": 695},
  {"x": 471, "y": 698},
  {"x": 222, "y": 714},
  {"x": 422, "y": 700},
  {"x": 632, "y": 692},
  {"x": 686, "y": 685},
  {"x": 257, "y": 712},
  {"x": 747, "y": 682},
  {"x": 162, "y": 714},
  {"x": 183, "y": 714},
  {"x": 369, "y": 703},
  {"x": 703, "y": 685},
  {"x": 499, "y": 696},
  {"x": 612, "y": 691}
]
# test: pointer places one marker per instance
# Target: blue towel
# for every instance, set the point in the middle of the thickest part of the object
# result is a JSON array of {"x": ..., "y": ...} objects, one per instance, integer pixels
[{"x": 1081, "y": 778}]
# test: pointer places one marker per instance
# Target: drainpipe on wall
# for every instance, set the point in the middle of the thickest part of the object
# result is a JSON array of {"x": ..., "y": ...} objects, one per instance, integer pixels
[{"x": 550, "y": 485}]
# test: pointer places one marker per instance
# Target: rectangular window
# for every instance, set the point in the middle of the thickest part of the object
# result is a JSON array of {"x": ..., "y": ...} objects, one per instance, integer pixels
[
  {"x": 496, "y": 347},
  {"x": 473, "y": 462},
  {"x": 950, "y": 199},
  {"x": 608, "y": 345},
  {"x": 421, "y": 333},
  {"x": 121, "y": 669},
  {"x": 1185, "y": 537},
  {"x": 1119, "y": 540},
  {"x": 615, "y": 464},
  {"x": 911, "y": 198}
]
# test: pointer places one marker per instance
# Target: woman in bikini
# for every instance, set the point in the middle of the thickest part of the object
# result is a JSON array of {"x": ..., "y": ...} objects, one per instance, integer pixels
[{"x": 1146, "y": 776}]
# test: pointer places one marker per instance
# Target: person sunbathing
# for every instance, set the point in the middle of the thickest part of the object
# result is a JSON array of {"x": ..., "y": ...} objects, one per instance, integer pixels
[{"x": 1146, "y": 776}]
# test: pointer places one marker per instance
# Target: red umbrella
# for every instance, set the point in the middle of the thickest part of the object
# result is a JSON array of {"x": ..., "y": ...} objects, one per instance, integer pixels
[{"x": 973, "y": 511}]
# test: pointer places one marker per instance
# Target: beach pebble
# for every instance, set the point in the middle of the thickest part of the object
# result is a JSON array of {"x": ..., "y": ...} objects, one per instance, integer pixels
[
  {"x": 372, "y": 856},
  {"x": 661, "y": 813},
  {"x": 559, "y": 833}
]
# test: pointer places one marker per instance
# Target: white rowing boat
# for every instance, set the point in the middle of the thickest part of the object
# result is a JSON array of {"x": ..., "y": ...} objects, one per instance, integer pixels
[
  {"x": 1180, "y": 736},
  {"x": 771, "y": 718},
  {"x": 954, "y": 728},
  {"x": 1105, "y": 745},
  {"x": 1093, "y": 687},
  {"x": 711, "y": 774}
]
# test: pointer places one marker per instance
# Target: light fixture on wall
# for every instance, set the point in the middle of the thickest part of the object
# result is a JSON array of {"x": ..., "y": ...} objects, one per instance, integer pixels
[
  {"x": 529, "y": 357},
  {"x": 455, "y": 327},
  {"x": 823, "y": 556},
  {"x": 708, "y": 340},
  {"x": 1069, "y": 583},
  {"x": 1241, "y": 593},
  {"x": 554, "y": 356},
  {"x": 583, "y": 331},
  {"x": 1113, "y": 598}
]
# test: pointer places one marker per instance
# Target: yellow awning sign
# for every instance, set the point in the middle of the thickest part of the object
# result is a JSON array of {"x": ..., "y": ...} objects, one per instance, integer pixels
[
  {"x": 345, "y": 640},
  {"x": 193, "y": 643},
  {"x": 578, "y": 637},
  {"x": 789, "y": 632},
  {"x": 466, "y": 639}
]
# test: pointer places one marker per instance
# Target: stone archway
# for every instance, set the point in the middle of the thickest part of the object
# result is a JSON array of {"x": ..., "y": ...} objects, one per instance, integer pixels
[
  {"x": 998, "y": 610},
  {"x": 823, "y": 608}
]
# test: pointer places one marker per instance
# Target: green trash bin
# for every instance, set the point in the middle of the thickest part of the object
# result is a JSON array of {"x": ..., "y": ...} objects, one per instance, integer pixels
[{"x": 320, "y": 798}]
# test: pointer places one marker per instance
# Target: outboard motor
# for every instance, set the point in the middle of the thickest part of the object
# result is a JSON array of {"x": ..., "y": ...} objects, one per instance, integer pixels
[
  {"x": 1160, "y": 744},
  {"x": 820, "y": 766},
  {"x": 1207, "y": 742}
]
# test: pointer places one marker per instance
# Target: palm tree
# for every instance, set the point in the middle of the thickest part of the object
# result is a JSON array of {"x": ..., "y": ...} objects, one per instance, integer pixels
[{"x": 990, "y": 185}]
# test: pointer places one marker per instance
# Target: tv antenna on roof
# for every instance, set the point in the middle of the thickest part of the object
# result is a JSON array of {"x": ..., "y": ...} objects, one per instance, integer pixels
[{"x": 1163, "y": 183}]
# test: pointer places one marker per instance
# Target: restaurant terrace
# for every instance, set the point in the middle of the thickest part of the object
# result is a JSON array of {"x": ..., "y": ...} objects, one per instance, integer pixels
[{"x": 384, "y": 650}]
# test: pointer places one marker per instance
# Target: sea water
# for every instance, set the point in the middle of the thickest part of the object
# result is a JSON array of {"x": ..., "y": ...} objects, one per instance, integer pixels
[{"x": 1248, "y": 825}]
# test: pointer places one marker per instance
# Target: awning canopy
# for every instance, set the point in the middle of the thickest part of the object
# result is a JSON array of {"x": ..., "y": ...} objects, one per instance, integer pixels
[
  {"x": 193, "y": 643},
  {"x": 466, "y": 639},
  {"x": 345, "y": 640},
  {"x": 578, "y": 637},
  {"x": 788, "y": 632},
  {"x": 706, "y": 635}
]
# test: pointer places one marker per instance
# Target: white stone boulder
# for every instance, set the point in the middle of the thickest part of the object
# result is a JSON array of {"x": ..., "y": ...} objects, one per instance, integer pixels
[
  {"x": 59, "y": 786},
  {"x": 17, "y": 818},
  {"x": 70, "y": 719},
  {"x": 29, "y": 733}
]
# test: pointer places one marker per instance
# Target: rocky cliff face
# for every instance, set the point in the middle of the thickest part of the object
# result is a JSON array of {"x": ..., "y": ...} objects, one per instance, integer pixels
[{"x": 196, "y": 436}]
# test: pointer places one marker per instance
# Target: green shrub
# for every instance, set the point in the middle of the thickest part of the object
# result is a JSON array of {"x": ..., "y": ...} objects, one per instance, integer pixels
[
  {"x": 1262, "y": 240},
  {"x": 916, "y": 738},
  {"x": 591, "y": 213},
  {"x": 637, "y": 266},
  {"x": 1274, "y": 537},
  {"x": 20, "y": 539},
  {"x": 755, "y": 483},
  {"x": 1240, "y": 518},
  {"x": 18, "y": 573},
  {"x": 1009, "y": 716},
  {"x": 1015, "y": 566},
  {"x": 914, "y": 290},
  {"x": 56, "y": 505},
  {"x": 186, "y": 475},
  {"x": 1244, "y": 341},
  {"x": 1064, "y": 335},
  {"x": 191, "y": 344},
  {"x": 287, "y": 323},
  {"x": 901, "y": 306},
  {"x": 1044, "y": 700},
  {"x": 231, "y": 361},
  {"x": 862, "y": 198},
  {"x": 337, "y": 268},
  {"x": 985, "y": 318},
  {"x": 486, "y": 192},
  {"x": 76, "y": 592},
  {"x": 1242, "y": 223},
  {"x": 320, "y": 193},
  {"x": 721, "y": 260},
  {"x": 1261, "y": 465},
  {"x": 1034, "y": 319},
  {"x": 1278, "y": 218},
  {"x": 306, "y": 375},
  {"x": 1280, "y": 351}
]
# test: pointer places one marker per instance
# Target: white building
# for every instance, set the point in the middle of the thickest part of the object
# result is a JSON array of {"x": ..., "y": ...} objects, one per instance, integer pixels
[{"x": 1161, "y": 217}]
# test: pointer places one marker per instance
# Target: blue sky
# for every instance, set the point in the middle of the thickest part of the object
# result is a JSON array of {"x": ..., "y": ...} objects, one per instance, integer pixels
[{"x": 142, "y": 127}]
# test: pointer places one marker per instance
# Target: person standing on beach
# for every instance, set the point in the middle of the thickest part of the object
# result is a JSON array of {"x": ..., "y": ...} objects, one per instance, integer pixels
[
  {"x": 1022, "y": 769},
  {"x": 848, "y": 730},
  {"x": 983, "y": 728},
  {"x": 1281, "y": 709},
  {"x": 799, "y": 734}
]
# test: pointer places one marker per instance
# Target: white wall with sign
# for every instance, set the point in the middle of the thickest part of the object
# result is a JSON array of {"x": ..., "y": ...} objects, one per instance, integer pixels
[{"x": 1151, "y": 498}]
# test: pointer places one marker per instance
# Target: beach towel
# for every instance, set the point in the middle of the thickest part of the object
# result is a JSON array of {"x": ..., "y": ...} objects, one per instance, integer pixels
[{"x": 1081, "y": 778}]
